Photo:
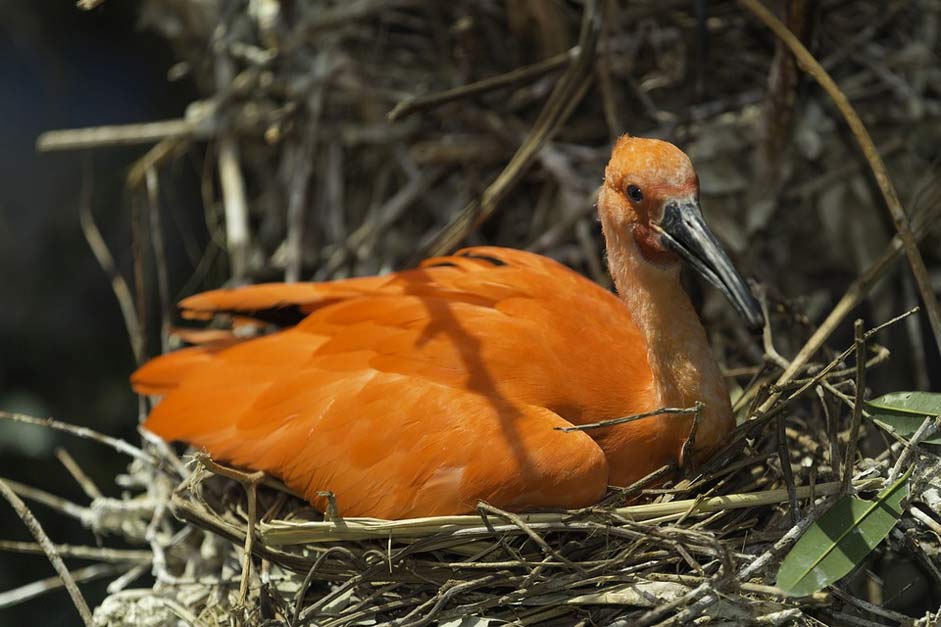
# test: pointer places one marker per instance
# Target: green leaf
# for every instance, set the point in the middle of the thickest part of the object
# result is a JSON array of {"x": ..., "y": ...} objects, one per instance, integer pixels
[
  {"x": 905, "y": 411},
  {"x": 840, "y": 539}
]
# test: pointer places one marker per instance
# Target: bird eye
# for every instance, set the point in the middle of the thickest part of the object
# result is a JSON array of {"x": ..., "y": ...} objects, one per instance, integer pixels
[{"x": 634, "y": 193}]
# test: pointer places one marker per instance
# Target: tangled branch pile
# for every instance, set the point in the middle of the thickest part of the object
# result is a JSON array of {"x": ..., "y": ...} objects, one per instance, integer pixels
[{"x": 342, "y": 137}]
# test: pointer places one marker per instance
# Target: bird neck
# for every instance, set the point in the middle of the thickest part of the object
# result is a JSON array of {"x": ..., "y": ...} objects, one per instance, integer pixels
[{"x": 683, "y": 366}]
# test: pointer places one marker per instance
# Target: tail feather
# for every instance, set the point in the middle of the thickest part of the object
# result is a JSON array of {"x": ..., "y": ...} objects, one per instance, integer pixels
[
  {"x": 164, "y": 373},
  {"x": 272, "y": 296}
]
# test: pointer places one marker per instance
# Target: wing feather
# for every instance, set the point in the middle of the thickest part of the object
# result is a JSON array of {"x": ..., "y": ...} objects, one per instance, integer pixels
[{"x": 420, "y": 392}]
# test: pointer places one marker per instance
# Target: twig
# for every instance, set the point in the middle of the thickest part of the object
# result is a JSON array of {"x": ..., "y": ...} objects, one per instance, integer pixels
[
  {"x": 83, "y": 480},
  {"x": 518, "y": 76},
  {"x": 83, "y": 432},
  {"x": 59, "y": 504},
  {"x": 709, "y": 597},
  {"x": 832, "y": 432},
  {"x": 154, "y": 158},
  {"x": 846, "y": 353},
  {"x": 767, "y": 338},
  {"x": 160, "y": 256},
  {"x": 50, "y": 550},
  {"x": 625, "y": 419},
  {"x": 302, "y": 591},
  {"x": 282, "y": 533},
  {"x": 335, "y": 17},
  {"x": 9, "y": 598},
  {"x": 703, "y": 590},
  {"x": 118, "y": 284},
  {"x": 916, "y": 339},
  {"x": 927, "y": 429},
  {"x": 854, "y": 295},
  {"x": 250, "y": 482},
  {"x": 770, "y": 407},
  {"x": 132, "y": 574},
  {"x": 849, "y": 461},
  {"x": 116, "y": 135},
  {"x": 181, "y": 612},
  {"x": 844, "y": 618},
  {"x": 100, "y": 554},
  {"x": 901, "y": 619},
  {"x": 638, "y": 486},
  {"x": 686, "y": 452},
  {"x": 230, "y": 173},
  {"x": 784, "y": 457},
  {"x": 236, "y": 206},
  {"x": 810, "y": 65},
  {"x": 777, "y": 115},
  {"x": 567, "y": 93},
  {"x": 300, "y": 157},
  {"x": 525, "y": 528},
  {"x": 609, "y": 104}
]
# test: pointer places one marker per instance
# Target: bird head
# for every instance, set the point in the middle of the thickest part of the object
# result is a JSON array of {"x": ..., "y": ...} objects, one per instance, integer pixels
[{"x": 650, "y": 198}]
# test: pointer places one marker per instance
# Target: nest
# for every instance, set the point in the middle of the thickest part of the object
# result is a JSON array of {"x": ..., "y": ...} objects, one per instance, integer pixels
[
  {"x": 227, "y": 546},
  {"x": 350, "y": 138}
]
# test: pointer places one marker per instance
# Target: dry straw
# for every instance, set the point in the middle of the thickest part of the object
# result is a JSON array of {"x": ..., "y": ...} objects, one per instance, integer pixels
[{"x": 353, "y": 134}]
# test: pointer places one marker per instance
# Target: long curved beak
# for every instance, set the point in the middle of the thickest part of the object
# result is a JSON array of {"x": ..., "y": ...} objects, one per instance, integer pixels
[{"x": 685, "y": 232}]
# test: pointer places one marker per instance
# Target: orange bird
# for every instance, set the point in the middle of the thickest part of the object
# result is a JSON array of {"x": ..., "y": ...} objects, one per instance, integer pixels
[{"x": 425, "y": 391}]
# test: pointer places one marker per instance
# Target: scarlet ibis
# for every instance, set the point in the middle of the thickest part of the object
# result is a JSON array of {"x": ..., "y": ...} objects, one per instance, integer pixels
[{"x": 425, "y": 391}]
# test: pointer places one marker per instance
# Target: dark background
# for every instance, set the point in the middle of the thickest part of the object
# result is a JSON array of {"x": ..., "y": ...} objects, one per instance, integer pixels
[{"x": 63, "y": 348}]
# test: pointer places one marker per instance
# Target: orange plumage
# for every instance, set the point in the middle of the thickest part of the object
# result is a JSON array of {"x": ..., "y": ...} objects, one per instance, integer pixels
[{"x": 425, "y": 391}]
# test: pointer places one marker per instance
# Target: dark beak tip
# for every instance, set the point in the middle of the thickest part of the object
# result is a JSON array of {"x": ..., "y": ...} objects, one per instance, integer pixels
[
  {"x": 756, "y": 323},
  {"x": 755, "y": 315},
  {"x": 686, "y": 233}
]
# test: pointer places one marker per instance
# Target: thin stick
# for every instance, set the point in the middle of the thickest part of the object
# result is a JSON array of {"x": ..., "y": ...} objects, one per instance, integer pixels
[
  {"x": 336, "y": 17},
  {"x": 302, "y": 591},
  {"x": 784, "y": 457},
  {"x": 234, "y": 201},
  {"x": 849, "y": 461},
  {"x": 849, "y": 351},
  {"x": 525, "y": 528},
  {"x": 898, "y": 618},
  {"x": 566, "y": 95},
  {"x": 83, "y": 432},
  {"x": 519, "y": 75},
  {"x": 100, "y": 554},
  {"x": 88, "y": 486},
  {"x": 135, "y": 572},
  {"x": 153, "y": 159},
  {"x": 59, "y": 504},
  {"x": 118, "y": 284},
  {"x": 625, "y": 419},
  {"x": 927, "y": 429},
  {"x": 771, "y": 407},
  {"x": 9, "y": 598},
  {"x": 854, "y": 295},
  {"x": 301, "y": 158},
  {"x": 152, "y": 182},
  {"x": 686, "y": 453},
  {"x": 250, "y": 482},
  {"x": 832, "y": 431},
  {"x": 810, "y": 65},
  {"x": 705, "y": 600},
  {"x": 49, "y": 549},
  {"x": 279, "y": 533},
  {"x": 116, "y": 135},
  {"x": 236, "y": 206}
]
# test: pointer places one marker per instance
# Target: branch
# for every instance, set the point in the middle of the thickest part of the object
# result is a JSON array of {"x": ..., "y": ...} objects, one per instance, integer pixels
[
  {"x": 810, "y": 65},
  {"x": 50, "y": 550}
]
